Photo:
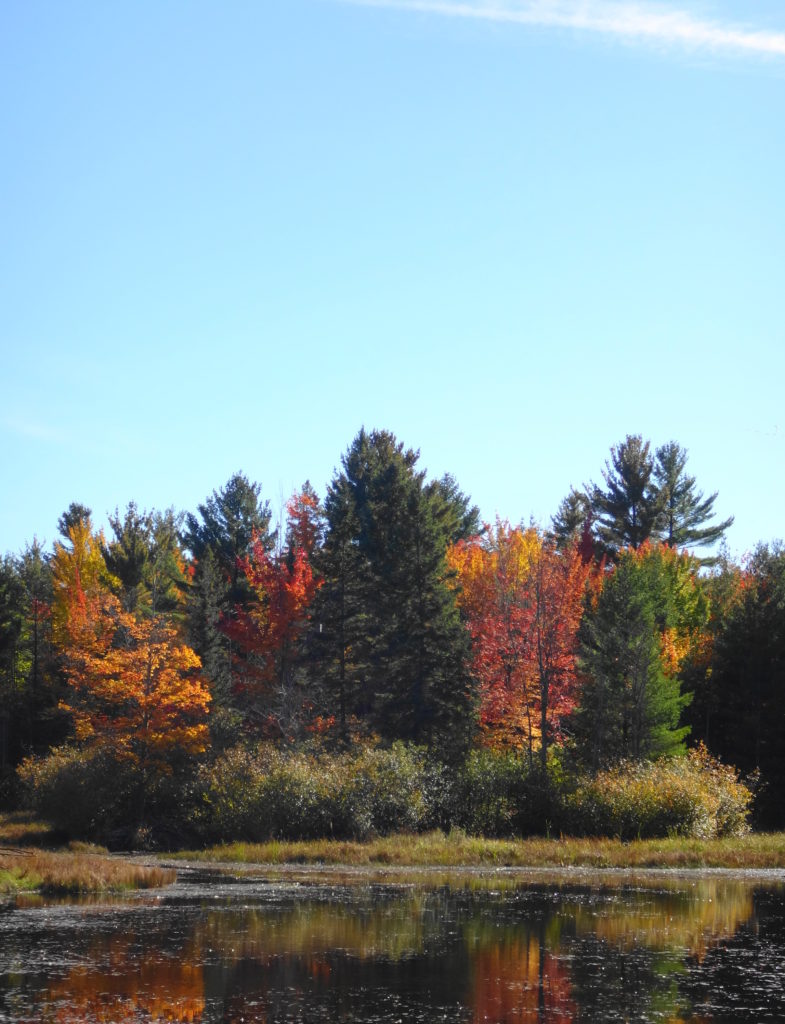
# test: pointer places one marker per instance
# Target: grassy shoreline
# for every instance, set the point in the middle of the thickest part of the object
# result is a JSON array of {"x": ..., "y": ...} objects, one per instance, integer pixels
[
  {"x": 32, "y": 861},
  {"x": 75, "y": 873},
  {"x": 28, "y": 864},
  {"x": 436, "y": 849}
]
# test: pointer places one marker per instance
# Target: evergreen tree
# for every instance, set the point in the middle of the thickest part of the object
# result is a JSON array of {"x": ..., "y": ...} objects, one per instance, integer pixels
[
  {"x": 76, "y": 515},
  {"x": 339, "y": 606},
  {"x": 629, "y": 705},
  {"x": 628, "y": 510},
  {"x": 684, "y": 510},
  {"x": 128, "y": 554},
  {"x": 11, "y": 617},
  {"x": 644, "y": 498},
  {"x": 226, "y": 524},
  {"x": 572, "y": 519},
  {"x": 746, "y": 681},
  {"x": 217, "y": 538},
  {"x": 399, "y": 650},
  {"x": 461, "y": 518},
  {"x": 145, "y": 558},
  {"x": 29, "y": 691},
  {"x": 423, "y": 691},
  {"x": 205, "y": 607},
  {"x": 45, "y": 723}
]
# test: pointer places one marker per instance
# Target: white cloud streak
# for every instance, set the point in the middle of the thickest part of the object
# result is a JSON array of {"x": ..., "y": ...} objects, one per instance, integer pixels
[
  {"x": 630, "y": 21},
  {"x": 36, "y": 431}
]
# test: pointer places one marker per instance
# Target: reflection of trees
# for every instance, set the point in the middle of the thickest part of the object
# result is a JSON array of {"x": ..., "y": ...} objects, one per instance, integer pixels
[
  {"x": 689, "y": 919},
  {"x": 127, "y": 987},
  {"x": 391, "y": 929},
  {"x": 345, "y": 960},
  {"x": 633, "y": 983},
  {"x": 742, "y": 979},
  {"x": 539, "y": 953},
  {"x": 517, "y": 979}
]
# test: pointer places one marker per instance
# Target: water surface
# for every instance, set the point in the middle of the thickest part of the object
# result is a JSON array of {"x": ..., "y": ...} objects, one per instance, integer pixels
[{"x": 403, "y": 947}]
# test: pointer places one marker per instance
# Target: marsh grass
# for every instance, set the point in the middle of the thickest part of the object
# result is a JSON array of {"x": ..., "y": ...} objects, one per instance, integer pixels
[
  {"x": 22, "y": 828},
  {"x": 456, "y": 849},
  {"x": 27, "y": 864},
  {"x": 74, "y": 872}
]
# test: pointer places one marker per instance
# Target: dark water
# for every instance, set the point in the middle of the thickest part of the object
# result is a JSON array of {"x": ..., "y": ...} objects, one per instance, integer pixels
[{"x": 419, "y": 948}]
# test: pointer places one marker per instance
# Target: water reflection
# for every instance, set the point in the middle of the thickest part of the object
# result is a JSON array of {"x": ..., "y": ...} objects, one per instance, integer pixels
[{"x": 492, "y": 949}]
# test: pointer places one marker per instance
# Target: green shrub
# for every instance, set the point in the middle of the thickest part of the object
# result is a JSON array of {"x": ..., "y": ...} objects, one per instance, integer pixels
[
  {"x": 269, "y": 793},
  {"x": 499, "y": 793},
  {"x": 491, "y": 793},
  {"x": 83, "y": 794},
  {"x": 693, "y": 796},
  {"x": 263, "y": 794},
  {"x": 386, "y": 790}
]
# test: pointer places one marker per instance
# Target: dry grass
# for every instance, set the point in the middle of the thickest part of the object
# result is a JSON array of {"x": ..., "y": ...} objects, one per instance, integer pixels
[
  {"x": 26, "y": 864},
  {"x": 22, "y": 828},
  {"x": 75, "y": 872},
  {"x": 458, "y": 850}
]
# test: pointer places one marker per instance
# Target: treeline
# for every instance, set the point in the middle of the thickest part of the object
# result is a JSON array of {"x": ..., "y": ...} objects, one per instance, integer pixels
[{"x": 389, "y": 613}]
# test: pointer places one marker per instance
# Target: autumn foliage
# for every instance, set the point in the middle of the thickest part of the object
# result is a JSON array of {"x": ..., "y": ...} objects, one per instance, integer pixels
[
  {"x": 266, "y": 630},
  {"x": 522, "y": 600},
  {"x": 134, "y": 685}
]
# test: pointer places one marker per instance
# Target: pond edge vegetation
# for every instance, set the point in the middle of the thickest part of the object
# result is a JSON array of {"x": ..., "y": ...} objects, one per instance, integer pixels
[{"x": 389, "y": 664}]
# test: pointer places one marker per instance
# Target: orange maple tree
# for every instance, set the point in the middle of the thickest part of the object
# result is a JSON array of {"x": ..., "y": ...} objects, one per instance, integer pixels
[
  {"x": 304, "y": 521},
  {"x": 134, "y": 687}
]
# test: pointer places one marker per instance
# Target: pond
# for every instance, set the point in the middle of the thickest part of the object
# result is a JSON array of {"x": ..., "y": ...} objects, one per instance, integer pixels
[{"x": 390, "y": 947}]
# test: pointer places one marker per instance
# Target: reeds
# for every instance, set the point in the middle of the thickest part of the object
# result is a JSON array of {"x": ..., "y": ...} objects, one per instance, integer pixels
[
  {"x": 455, "y": 849},
  {"x": 75, "y": 872}
]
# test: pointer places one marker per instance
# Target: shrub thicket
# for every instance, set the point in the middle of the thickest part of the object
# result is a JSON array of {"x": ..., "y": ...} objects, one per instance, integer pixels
[
  {"x": 498, "y": 794},
  {"x": 692, "y": 796},
  {"x": 268, "y": 793},
  {"x": 82, "y": 794}
]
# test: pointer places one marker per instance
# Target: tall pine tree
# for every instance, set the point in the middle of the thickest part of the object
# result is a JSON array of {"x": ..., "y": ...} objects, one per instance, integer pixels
[
  {"x": 627, "y": 510},
  {"x": 684, "y": 512},
  {"x": 399, "y": 651}
]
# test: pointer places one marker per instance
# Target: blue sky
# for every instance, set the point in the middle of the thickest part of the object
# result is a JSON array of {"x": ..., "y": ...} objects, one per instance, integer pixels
[{"x": 510, "y": 232}]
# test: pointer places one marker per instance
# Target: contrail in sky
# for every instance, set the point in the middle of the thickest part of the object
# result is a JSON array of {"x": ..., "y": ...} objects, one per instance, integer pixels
[{"x": 661, "y": 24}]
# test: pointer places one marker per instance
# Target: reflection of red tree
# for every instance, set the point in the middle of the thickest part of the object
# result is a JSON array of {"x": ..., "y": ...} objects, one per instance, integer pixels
[
  {"x": 520, "y": 981},
  {"x": 129, "y": 988}
]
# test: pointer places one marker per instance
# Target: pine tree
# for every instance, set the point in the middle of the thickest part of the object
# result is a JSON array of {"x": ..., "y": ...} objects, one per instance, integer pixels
[
  {"x": 461, "y": 519},
  {"x": 423, "y": 692},
  {"x": 645, "y": 498},
  {"x": 747, "y": 676},
  {"x": 629, "y": 706},
  {"x": 399, "y": 650},
  {"x": 227, "y": 523},
  {"x": 217, "y": 538},
  {"x": 11, "y": 623},
  {"x": 684, "y": 510},
  {"x": 336, "y": 642},
  {"x": 627, "y": 511},
  {"x": 44, "y": 724},
  {"x": 571, "y": 520},
  {"x": 127, "y": 555}
]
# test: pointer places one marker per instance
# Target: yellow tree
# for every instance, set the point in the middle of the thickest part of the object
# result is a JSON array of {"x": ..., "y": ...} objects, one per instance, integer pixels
[{"x": 78, "y": 567}]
